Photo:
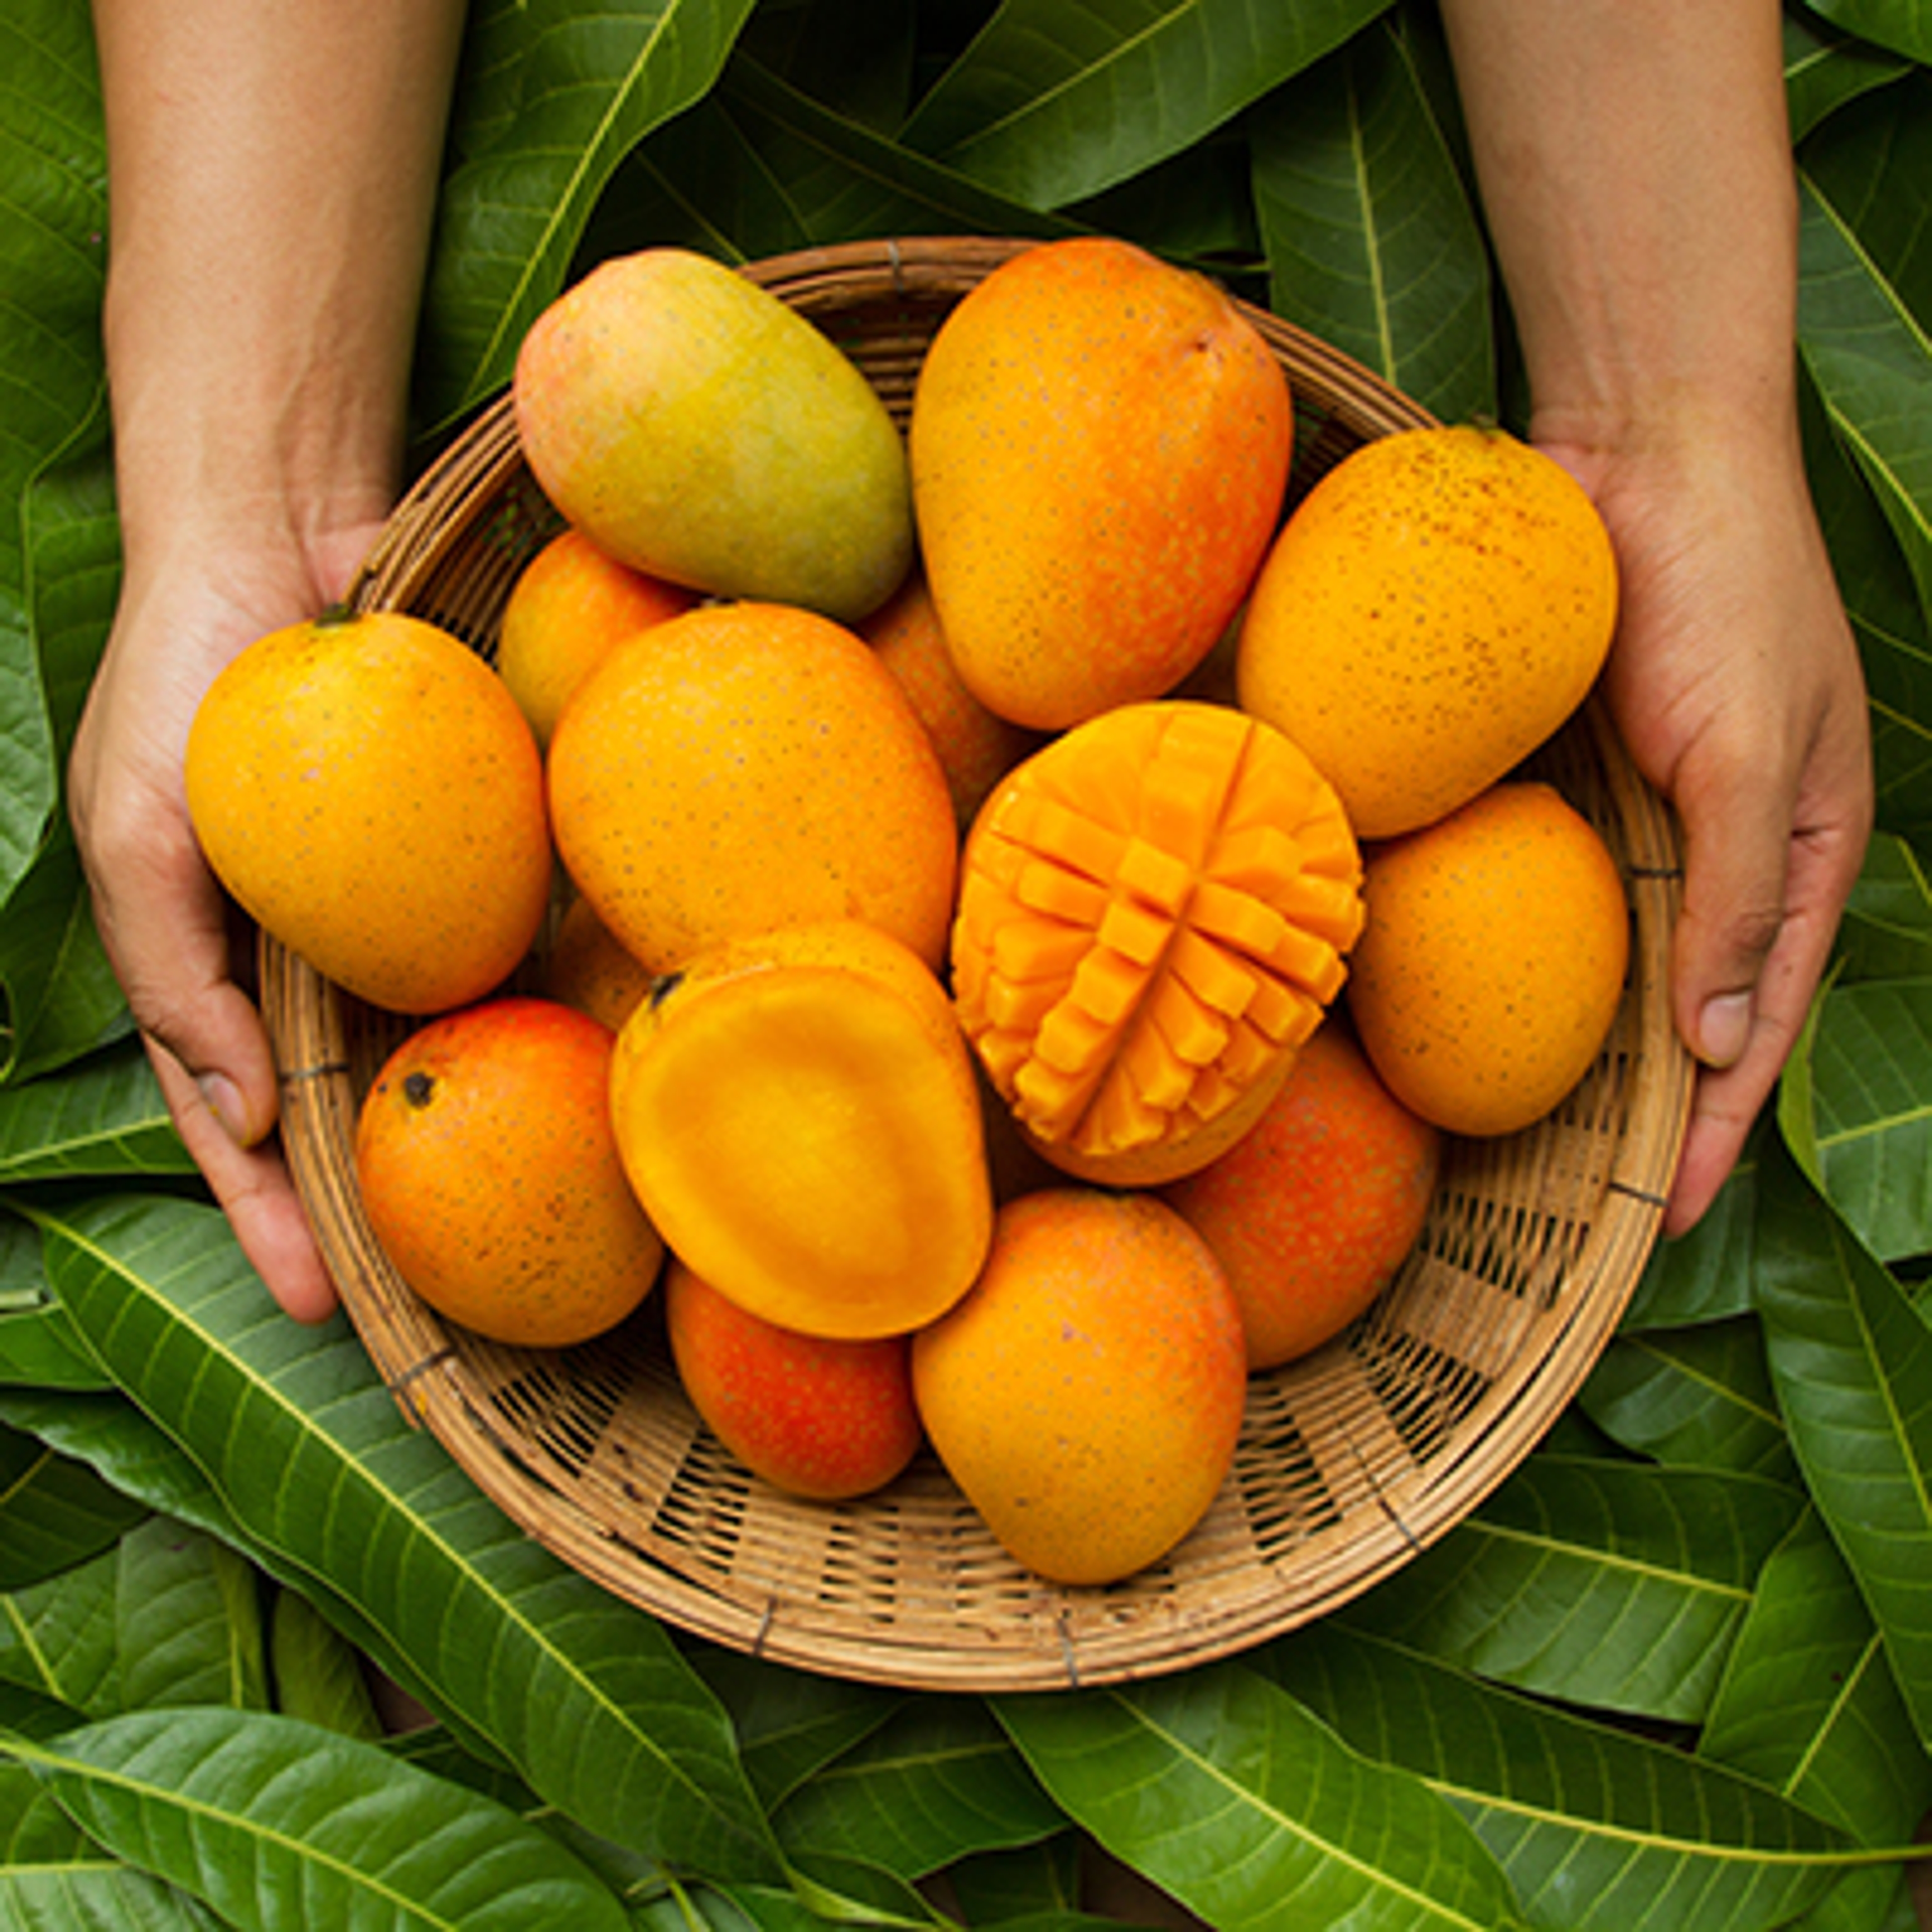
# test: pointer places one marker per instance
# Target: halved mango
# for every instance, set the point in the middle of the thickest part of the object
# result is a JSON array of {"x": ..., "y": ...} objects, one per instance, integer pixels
[
  {"x": 1154, "y": 913},
  {"x": 799, "y": 1110}
]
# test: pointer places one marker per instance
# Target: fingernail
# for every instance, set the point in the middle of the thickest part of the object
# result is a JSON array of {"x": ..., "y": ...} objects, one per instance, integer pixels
[
  {"x": 223, "y": 1100},
  {"x": 1724, "y": 1027}
]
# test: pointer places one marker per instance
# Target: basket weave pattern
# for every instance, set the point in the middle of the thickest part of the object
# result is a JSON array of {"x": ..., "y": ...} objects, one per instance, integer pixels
[{"x": 1350, "y": 1460}]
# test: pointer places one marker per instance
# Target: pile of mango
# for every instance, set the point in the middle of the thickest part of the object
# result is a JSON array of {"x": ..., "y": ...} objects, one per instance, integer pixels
[{"x": 966, "y": 846}]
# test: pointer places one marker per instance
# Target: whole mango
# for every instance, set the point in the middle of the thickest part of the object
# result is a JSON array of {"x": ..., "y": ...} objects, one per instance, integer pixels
[
  {"x": 368, "y": 791},
  {"x": 1100, "y": 443},
  {"x": 696, "y": 427}
]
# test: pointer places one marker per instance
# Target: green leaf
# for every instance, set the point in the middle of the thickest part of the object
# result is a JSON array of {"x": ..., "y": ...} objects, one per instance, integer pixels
[
  {"x": 61, "y": 1639},
  {"x": 104, "y": 1117},
  {"x": 789, "y": 1724},
  {"x": 189, "y": 1620},
  {"x": 1612, "y": 1584},
  {"x": 941, "y": 1779},
  {"x": 1871, "y": 1091},
  {"x": 39, "y": 1344},
  {"x": 1823, "y": 70},
  {"x": 1888, "y": 619},
  {"x": 1227, "y": 1794},
  {"x": 1905, "y": 25},
  {"x": 1032, "y": 109},
  {"x": 1599, "y": 1829},
  {"x": 52, "y": 220},
  {"x": 318, "y": 1675},
  {"x": 1705, "y": 1275},
  {"x": 1808, "y": 1705},
  {"x": 550, "y": 98},
  {"x": 54, "y": 1512},
  {"x": 1886, "y": 931},
  {"x": 1372, "y": 243},
  {"x": 276, "y": 1823},
  {"x": 1868, "y": 353},
  {"x": 1698, "y": 1396},
  {"x": 1852, "y": 1361},
  {"x": 586, "y": 1697}
]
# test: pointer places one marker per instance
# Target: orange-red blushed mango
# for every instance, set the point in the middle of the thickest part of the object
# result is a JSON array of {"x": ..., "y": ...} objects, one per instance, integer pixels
[{"x": 1100, "y": 445}]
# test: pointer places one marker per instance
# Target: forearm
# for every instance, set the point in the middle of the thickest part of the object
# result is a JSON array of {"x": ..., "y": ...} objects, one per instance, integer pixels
[
  {"x": 1635, "y": 163},
  {"x": 273, "y": 170}
]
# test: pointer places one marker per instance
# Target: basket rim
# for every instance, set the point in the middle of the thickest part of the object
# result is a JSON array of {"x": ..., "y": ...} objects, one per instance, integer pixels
[{"x": 1068, "y": 1638}]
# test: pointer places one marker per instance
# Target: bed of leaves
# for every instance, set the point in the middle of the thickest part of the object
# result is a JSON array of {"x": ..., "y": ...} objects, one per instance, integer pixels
[{"x": 1676, "y": 1672}]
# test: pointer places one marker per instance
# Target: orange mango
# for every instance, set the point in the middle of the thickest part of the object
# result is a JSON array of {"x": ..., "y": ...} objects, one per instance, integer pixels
[
  {"x": 1154, "y": 913},
  {"x": 1100, "y": 445}
]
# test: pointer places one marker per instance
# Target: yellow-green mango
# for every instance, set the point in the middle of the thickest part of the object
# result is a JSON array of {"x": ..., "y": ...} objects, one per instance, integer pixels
[{"x": 693, "y": 425}]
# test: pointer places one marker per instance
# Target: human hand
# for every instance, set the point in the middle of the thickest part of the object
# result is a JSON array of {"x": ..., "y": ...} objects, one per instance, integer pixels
[
  {"x": 1736, "y": 682},
  {"x": 169, "y": 931}
]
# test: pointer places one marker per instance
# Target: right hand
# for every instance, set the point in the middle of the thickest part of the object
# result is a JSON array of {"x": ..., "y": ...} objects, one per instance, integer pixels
[{"x": 173, "y": 937}]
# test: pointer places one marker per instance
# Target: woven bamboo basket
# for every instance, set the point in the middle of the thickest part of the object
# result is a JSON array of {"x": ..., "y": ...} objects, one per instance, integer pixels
[{"x": 1351, "y": 1460}]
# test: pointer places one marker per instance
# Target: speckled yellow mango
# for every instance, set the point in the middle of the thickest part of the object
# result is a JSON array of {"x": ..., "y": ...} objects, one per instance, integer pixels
[
  {"x": 747, "y": 766},
  {"x": 1493, "y": 963},
  {"x": 1154, "y": 912},
  {"x": 367, "y": 790},
  {"x": 798, "y": 1114},
  {"x": 1435, "y": 608},
  {"x": 1099, "y": 446}
]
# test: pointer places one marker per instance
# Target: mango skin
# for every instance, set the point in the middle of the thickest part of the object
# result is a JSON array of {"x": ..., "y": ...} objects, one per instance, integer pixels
[
  {"x": 694, "y": 427},
  {"x": 367, "y": 790},
  {"x": 1100, "y": 444}
]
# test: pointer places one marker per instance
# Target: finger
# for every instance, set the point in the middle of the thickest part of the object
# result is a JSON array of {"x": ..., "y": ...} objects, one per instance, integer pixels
[
  {"x": 1824, "y": 864},
  {"x": 252, "y": 1185},
  {"x": 166, "y": 925}
]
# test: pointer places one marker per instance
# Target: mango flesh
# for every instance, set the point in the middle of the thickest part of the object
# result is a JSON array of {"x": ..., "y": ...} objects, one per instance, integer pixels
[
  {"x": 694, "y": 427},
  {"x": 1100, "y": 444},
  {"x": 1154, "y": 913},
  {"x": 799, "y": 1113}
]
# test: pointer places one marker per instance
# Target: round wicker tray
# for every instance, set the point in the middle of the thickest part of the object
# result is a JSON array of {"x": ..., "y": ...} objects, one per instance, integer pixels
[{"x": 1350, "y": 1461}]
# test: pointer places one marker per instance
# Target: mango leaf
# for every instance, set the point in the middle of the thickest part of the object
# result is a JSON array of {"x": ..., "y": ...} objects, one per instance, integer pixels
[
  {"x": 941, "y": 1779},
  {"x": 128, "y": 1450},
  {"x": 1697, "y": 1396},
  {"x": 61, "y": 1639},
  {"x": 1852, "y": 1362},
  {"x": 549, "y": 99},
  {"x": 1868, "y": 353},
  {"x": 1871, "y": 1086},
  {"x": 54, "y": 1512},
  {"x": 1808, "y": 1705},
  {"x": 1226, "y": 1793},
  {"x": 1886, "y": 931},
  {"x": 843, "y": 180},
  {"x": 789, "y": 1724},
  {"x": 586, "y": 1696},
  {"x": 68, "y": 1884},
  {"x": 1882, "y": 602},
  {"x": 53, "y": 219},
  {"x": 1824, "y": 68},
  {"x": 274, "y": 1823},
  {"x": 39, "y": 1344},
  {"x": 189, "y": 1627},
  {"x": 318, "y": 1676},
  {"x": 1371, "y": 242},
  {"x": 1704, "y": 1275},
  {"x": 1599, "y": 1829},
  {"x": 992, "y": 1887},
  {"x": 1606, "y": 1583},
  {"x": 104, "y": 1117},
  {"x": 1033, "y": 108},
  {"x": 1904, "y": 25}
]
